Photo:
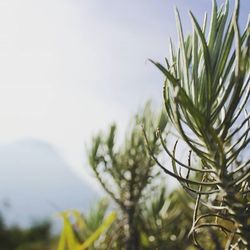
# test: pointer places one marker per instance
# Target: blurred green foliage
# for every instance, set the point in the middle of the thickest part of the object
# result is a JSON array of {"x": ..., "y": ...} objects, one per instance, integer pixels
[
  {"x": 166, "y": 221},
  {"x": 163, "y": 223},
  {"x": 81, "y": 232},
  {"x": 36, "y": 237},
  {"x": 126, "y": 171}
]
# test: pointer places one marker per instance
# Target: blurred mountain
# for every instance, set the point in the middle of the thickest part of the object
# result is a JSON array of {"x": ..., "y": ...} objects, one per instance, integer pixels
[{"x": 36, "y": 183}]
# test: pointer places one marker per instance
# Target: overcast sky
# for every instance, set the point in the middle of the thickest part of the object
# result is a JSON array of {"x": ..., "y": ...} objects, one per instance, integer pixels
[{"x": 69, "y": 68}]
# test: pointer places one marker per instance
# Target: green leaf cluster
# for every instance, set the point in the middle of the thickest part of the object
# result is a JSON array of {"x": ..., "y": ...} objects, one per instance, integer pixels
[{"x": 206, "y": 94}]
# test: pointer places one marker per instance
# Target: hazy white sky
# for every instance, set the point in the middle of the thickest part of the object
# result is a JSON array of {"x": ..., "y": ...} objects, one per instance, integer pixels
[{"x": 69, "y": 68}]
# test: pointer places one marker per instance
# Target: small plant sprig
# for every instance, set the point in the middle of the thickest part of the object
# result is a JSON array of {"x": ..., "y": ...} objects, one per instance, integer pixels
[{"x": 206, "y": 95}]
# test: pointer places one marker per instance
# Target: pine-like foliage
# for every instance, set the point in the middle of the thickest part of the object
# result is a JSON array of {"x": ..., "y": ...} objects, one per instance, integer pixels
[
  {"x": 166, "y": 221},
  {"x": 206, "y": 95},
  {"x": 125, "y": 171}
]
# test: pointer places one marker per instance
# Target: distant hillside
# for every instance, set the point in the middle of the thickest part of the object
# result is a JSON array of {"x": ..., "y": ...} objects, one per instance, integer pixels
[{"x": 35, "y": 183}]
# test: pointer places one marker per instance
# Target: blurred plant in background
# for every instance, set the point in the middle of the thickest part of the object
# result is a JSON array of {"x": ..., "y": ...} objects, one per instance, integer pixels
[
  {"x": 126, "y": 171},
  {"x": 165, "y": 221},
  {"x": 83, "y": 232},
  {"x": 36, "y": 237},
  {"x": 162, "y": 224}
]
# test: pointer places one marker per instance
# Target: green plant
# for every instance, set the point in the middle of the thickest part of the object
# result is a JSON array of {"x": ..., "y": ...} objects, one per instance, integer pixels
[
  {"x": 36, "y": 237},
  {"x": 125, "y": 172},
  {"x": 166, "y": 219},
  {"x": 83, "y": 232},
  {"x": 206, "y": 92}
]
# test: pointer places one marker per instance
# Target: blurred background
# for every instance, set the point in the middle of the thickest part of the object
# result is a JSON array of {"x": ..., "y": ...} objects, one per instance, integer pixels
[{"x": 68, "y": 69}]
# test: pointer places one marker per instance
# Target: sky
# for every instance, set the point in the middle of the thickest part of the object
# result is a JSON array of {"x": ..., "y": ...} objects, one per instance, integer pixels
[{"x": 69, "y": 68}]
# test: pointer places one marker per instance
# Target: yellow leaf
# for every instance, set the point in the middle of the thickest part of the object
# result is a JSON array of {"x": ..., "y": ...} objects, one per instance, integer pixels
[{"x": 107, "y": 222}]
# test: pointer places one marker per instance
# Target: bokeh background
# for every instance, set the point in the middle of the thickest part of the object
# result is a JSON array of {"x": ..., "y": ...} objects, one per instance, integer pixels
[{"x": 69, "y": 68}]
